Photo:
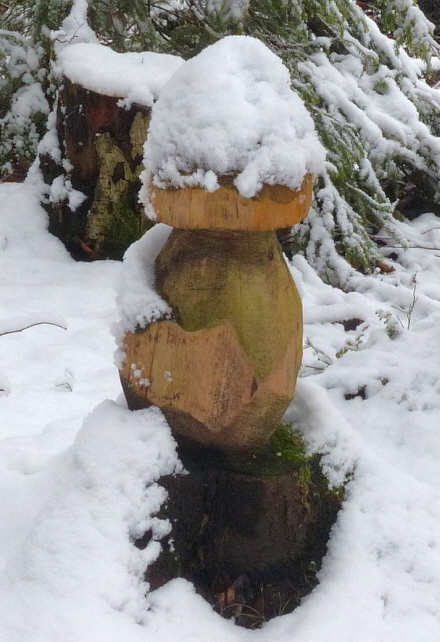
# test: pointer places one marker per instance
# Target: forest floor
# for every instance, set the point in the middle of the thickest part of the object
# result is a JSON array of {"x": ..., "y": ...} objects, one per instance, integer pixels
[{"x": 78, "y": 470}]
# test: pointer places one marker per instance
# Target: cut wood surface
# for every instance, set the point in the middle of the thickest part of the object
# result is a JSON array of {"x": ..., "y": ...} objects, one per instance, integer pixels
[
  {"x": 225, "y": 370},
  {"x": 276, "y": 206},
  {"x": 205, "y": 373},
  {"x": 205, "y": 385}
]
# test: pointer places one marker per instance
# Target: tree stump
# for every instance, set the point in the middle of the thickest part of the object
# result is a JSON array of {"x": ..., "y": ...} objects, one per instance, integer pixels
[
  {"x": 102, "y": 142},
  {"x": 250, "y": 534},
  {"x": 252, "y": 515}
]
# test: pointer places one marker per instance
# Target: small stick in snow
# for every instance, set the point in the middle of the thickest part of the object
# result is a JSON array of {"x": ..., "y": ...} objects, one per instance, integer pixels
[{"x": 57, "y": 325}]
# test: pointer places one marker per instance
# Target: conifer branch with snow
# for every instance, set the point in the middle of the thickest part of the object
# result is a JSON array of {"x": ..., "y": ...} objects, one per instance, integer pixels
[{"x": 367, "y": 93}]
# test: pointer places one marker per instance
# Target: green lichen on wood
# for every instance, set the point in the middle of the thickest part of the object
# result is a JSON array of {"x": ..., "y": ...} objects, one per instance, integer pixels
[
  {"x": 138, "y": 134},
  {"x": 115, "y": 219}
]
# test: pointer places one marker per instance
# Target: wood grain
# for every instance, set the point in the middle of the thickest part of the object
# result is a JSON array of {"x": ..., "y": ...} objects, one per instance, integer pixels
[
  {"x": 205, "y": 374},
  {"x": 205, "y": 385},
  {"x": 208, "y": 276},
  {"x": 225, "y": 370},
  {"x": 276, "y": 206}
]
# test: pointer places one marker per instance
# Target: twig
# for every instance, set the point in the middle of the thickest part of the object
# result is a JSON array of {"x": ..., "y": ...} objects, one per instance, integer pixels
[
  {"x": 412, "y": 247},
  {"x": 411, "y": 307},
  {"x": 431, "y": 229},
  {"x": 406, "y": 247},
  {"x": 246, "y": 606},
  {"x": 201, "y": 17},
  {"x": 321, "y": 355},
  {"x": 314, "y": 367},
  {"x": 57, "y": 325}
]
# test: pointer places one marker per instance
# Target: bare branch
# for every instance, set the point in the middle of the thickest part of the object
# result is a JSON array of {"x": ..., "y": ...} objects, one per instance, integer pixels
[{"x": 31, "y": 326}]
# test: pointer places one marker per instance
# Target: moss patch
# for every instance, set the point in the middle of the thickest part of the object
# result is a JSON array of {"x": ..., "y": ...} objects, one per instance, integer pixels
[
  {"x": 289, "y": 444},
  {"x": 286, "y": 452},
  {"x": 126, "y": 226}
]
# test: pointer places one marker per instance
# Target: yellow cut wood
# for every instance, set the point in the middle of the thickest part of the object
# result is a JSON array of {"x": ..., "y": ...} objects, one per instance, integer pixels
[
  {"x": 205, "y": 384},
  {"x": 275, "y": 207}
]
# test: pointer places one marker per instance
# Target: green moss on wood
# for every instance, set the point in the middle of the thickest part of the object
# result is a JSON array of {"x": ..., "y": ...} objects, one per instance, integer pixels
[
  {"x": 126, "y": 226},
  {"x": 286, "y": 452},
  {"x": 289, "y": 444}
]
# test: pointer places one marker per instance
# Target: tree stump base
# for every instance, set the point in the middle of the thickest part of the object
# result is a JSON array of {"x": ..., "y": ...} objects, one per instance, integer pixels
[{"x": 249, "y": 533}]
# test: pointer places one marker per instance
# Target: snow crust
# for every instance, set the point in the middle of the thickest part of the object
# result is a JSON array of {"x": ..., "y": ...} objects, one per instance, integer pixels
[
  {"x": 136, "y": 77},
  {"x": 230, "y": 110},
  {"x": 79, "y": 472}
]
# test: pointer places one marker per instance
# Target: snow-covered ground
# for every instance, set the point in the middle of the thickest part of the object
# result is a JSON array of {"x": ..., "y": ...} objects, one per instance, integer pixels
[{"x": 78, "y": 470}]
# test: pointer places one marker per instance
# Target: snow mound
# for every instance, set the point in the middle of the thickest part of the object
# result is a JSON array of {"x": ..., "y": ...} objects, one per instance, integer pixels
[
  {"x": 79, "y": 553},
  {"x": 138, "y": 302},
  {"x": 230, "y": 110},
  {"x": 137, "y": 77}
]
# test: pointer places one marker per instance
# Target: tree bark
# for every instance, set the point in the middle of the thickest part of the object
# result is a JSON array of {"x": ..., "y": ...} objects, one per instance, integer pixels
[
  {"x": 102, "y": 144},
  {"x": 250, "y": 533}
]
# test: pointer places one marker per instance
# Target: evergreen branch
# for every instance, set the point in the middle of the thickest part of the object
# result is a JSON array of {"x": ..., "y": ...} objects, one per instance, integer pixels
[
  {"x": 385, "y": 207},
  {"x": 5, "y": 33}
]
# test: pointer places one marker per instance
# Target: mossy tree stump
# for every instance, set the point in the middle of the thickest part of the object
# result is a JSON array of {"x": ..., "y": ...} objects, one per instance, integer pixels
[
  {"x": 252, "y": 515},
  {"x": 102, "y": 143}
]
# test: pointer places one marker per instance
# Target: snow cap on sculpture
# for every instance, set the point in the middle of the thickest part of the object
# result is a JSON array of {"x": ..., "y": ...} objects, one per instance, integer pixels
[{"x": 226, "y": 129}]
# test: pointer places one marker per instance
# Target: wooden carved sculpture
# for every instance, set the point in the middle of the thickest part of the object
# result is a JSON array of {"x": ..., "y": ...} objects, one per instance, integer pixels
[
  {"x": 252, "y": 511},
  {"x": 224, "y": 368}
]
